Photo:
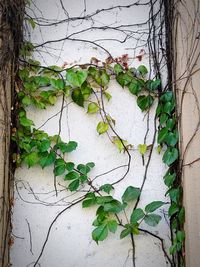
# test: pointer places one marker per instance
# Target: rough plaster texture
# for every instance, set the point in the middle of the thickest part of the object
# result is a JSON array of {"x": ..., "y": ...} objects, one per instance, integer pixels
[
  {"x": 187, "y": 75},
  {"x": 70, "y": 243}
]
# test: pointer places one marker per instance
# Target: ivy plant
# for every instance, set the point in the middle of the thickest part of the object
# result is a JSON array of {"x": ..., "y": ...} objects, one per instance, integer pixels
[{"x": 42, "y": 86}]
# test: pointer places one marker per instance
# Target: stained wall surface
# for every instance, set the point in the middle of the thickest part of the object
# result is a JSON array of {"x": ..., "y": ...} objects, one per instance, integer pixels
[{"x": 70, "y": 243}]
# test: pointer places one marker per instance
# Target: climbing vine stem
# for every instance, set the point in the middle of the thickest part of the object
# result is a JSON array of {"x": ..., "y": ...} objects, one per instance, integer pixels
[{"x": 86, "y": 85}]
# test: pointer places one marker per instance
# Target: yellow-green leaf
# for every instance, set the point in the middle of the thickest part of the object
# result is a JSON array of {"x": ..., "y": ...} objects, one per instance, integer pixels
[
  {"x": 142, "y": 148},
  {"x": 93, "y": 108},
  {"x": 52, "y": 99},
  {"x": 120, "y": 144},
  {"x": 102, "y": 127}
]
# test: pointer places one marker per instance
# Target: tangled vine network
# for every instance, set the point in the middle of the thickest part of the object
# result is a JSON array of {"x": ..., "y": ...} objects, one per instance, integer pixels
[{"x": 85, "y": 84}]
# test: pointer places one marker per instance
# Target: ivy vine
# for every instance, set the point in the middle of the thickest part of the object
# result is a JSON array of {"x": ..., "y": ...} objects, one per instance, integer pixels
[{"x": 41, "y": 87}]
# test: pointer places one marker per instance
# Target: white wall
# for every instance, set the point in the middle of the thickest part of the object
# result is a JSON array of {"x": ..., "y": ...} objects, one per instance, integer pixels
[{"x": 70, "y": 243}]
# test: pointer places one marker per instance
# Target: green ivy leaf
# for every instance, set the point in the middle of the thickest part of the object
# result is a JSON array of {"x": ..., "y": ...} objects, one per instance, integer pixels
[
  {"x": 107, "y": 188},
  {"x": 174, "y": 223},
  {"x": 101, "y": 213},
  {"x": 159, "y": 109},
  {"x": 90, "y": 165},
  {"x": 92, "y": 71},
  {"x": 46, "y": 94},
  {"x": 181, "y": 215},
  {"x": 170, "y": 156},
  {"x": 163, "y": 118},
  {"x": 105, "y": 78},
  {"x": 102, "y": 127},
  {"x": 22, "y": 113},
  {"x": 58, "y": 84},
  {"x": 142, "y": 148},
  {"x": 125, "y": 233},
  {"x": 40, "y": 135},
  {"x": 100, "y": 233},
  {"x": 93, "y": 108},
  {"x": 167, "y": 96},
  {"x": 173, "y": 249},
  {"x": 144, "y": 102},
  {"x": 43, "y": 80},
  {"x": 174, "y": 194},
  {"x": 173, "y": 209},
  {"x": 71, "y": 146},
  {"x": 44, "y": 145},
  {"x": 179, "y": 246},
  {"x": 123, "y": 79},
  {"x": 120, "y": 79},
  {"x": 151, "y": 207},
  {"x": 162, "y": 134},
  {"x": 89, "y": 202},
  {"x": 71, "y": 176},
  {"x": 118, "y": 69},
  {"x": 134, "y": 87},
  {"x": 31, "y": 159},
  {"x": 114, "y": 206},
  {"x": 86, "y": 91},
  {"x": 39, "y": 103},
  {"x": 131, "y": 193},
  {"x": 169, "y": 179},
  {"x": 101, "y": 218},
  {"x": 55, "y": 138},
  {"x": 137, "y": 215},
  {"x": 104, "y": 199},
  {"x": 76, "y": 78},
  {"x": 77, "y": 97},
  {"x": 48, "y": 159},
  {"x": 67, "y": 147},
  {"x": 112, "y": 226},
  {"x": 83, "y": 178},
  {"x": 69, "y": 166},
  {"x": 153, "y": 85},
  {"x": 170, "y": 123},
  {"x": 73, "y": 186},
  {"x": 25, "y": 122},
  {"x": 152, "y": 219},
  {"x": 26, "y": 101},
  {"x": 172, "y": 138},
  {"x": 90, "y": 199},
  {"x": 107, "y": 95},
  {"x": 168, "y": 107},
  {"x": 59, "y": 167},
  {"x": 32, "y": 23},
  {"x": 83, "y": 168},
  {"x": 23, "y": 74},
  {"x": 142, "y": 70}
]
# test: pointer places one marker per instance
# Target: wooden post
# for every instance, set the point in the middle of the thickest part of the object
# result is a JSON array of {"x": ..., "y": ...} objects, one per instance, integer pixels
[
  {"x": 5, "y": 121},
  {"x": 11, "y": 36},
  {"x": 187, "y": 87}
]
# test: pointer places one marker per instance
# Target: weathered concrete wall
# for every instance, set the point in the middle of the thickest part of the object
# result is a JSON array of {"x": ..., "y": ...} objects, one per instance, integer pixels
[{"x": 187, "y": 63}]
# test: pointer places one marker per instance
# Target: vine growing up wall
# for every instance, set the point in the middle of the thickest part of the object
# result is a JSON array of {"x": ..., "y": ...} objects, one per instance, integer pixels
[{"x": 86, "y": 85}]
